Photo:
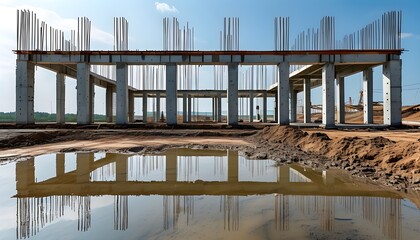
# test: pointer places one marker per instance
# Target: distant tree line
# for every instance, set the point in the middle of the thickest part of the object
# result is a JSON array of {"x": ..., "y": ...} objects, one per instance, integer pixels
[{"x": 47, "y": 117}]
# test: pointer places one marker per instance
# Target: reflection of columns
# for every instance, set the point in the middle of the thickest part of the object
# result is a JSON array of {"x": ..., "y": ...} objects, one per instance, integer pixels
[
  {"x": 144, "y": 107},
  {"x": 189, "y": 108},
  {"x": 392, "y": 92},
  {"x": 328, "y": 100},
  {"x": 83, "y": 93},
  {"x": 283, "y": 174},
  {"x": 307, "y": 100},
  {"x": 171, "y": 169},
  {"x": 283, "y": 94},
  {"x": 60, "y": 98},
  {"x": 120, "y": 212},
  {"x": 264, "y": 107},
  {"x": 251, "y": 106},
  {"x": 122, "y": 93},
  {"x": 171, "y": 92},
  {"x": 219, "y": 108},
  {"x": 25, "y": 79},
  {"x": 108, "y": 103},
  {"x": 60, "y": 164},
  {"x": 83, "y": 167},
  {"x": 157, "y": 107},
  {"x": 130, "y": 106},
  {"x": 121, "y": 168},
  {"x": 232, "y": 94},
  {"x": 25, "y": 174},
  {"x": 184, "y": 108},
  {"x": 368, "y": 96},
  {"x": 341, "y": 110},
  {"x": 91, "y": 100},
  {"x": 232, "y": 166},
  {"x": 293, "y": 102}
]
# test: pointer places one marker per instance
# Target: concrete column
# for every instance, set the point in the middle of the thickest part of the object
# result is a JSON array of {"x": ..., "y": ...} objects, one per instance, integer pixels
[
  {"x": 25, "y": 80},
  {"x": 233, "y": 168},
  {"x": 251, "y": 107},
  {"x": 307, "y": 100},
  {"x": 283, "y": 94},
  {"x": 144, "y": 107},
  {"x": 264, "y": 107},
  {"x": 189, "y": 117},
  {"x": 83, "y": 93},
  {"x": 293, "y": 103},
  {"x": 130, "y": 106},
  {"x": 219, "y": 108},
  {"x": 108, "y": 103},
  {"x": 60, "y": 164},
  {"x": 83, "y": 167},
  {"x": 171, "y": 91},
  {"x": 122, "y": 93},
  {"x": 328, "y": 100},
  {"x": 60, "y": 98},
  {"x": 283, "y": 174},
  {"x": 341, "y": 110},
  {"x": 184, "y": 108},
  {"x": 25, "y": 174},
  {"x": 232, "y": 94},
  {"x": 92, "y": 100},
  {"x": 392, "y": 92},
  {"x": 171, "y": 167},
  {"x": 276, "y": 107},
  {"x": 121, "y": 168},
  {"x": 214, "y": 108},
  {"x": 368, "y": 96},
  {"x": 157, "y": 107}
]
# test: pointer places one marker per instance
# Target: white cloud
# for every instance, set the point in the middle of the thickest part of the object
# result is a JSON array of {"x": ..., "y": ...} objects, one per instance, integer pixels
[
  {"x": 407, "y": 35},
  {"x": 164, "y": 7}
]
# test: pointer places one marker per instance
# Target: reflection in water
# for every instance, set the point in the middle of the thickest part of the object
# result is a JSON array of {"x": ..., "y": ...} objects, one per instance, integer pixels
[{"x": 175, "y": 176}]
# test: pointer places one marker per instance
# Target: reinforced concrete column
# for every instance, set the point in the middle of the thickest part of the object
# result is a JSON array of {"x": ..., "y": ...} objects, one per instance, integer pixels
[
  {"x": 293, "y": 103},
  {"x": 108, "y": 103},
  {"x": 307, "y": 100},
  {"x": 213, "y": 107},
  {"x": 341, "y": 111},
  {"x": 251, "y": 107},
  {"x": 184, "y": 108},
  {"x": 392, "y": 92},
  {"x": 122, "y": 93},
  {"x": 92, "y": 100},
  {"x": 130, "y": 106},
  {"x": 171, "y": 167},
  {"x": 368, "y": 96},
  {"x": 83, "y": 93},
  {"x": 233, "y": 166},
  {"x": 264, "y": 107},
  {"x": 83, "y": 161},
  {"x": 121, "y": 168},
  {"x": 276, "y": 107},
  {"x": 60, "y": 164},
  {"x": 60, "y": 98},
  {"x": 144, "y": 107},
  {"x": 219, "y": 108},
  {"x": 283, "y": 94},
  {"x": 25, "y": 174},
  {"x": 328, "y": 100},
  {"x": 171, "y": 92},
  {"x": 232, "y": 94},
  {"x": 157, "y": 107},
  {"x": 189, "y": 117},
  {"x": 25, "y": 80}
]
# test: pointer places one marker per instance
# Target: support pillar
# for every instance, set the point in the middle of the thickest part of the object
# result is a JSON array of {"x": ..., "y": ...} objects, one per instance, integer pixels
[
  {"x": 328, "y": 100},
  {"x": 121, "y": 168},
  {"x": 219, "y": 108},
  {"x": 251, "y": 107},
  {"x": 264, "y": 107},
  {"x": 368, "y": 96},
  {"x": 283, "y": 94},
  {"x": 60, "y": 164},
  {"x": 25, "y": 80},
  {"x": 392, "y": 92},
  {"x": 189, "y": 108},
  {"x": 83, "y": 93},
  {"x": 233, "y": 169},
  {"x": 83, "y": 167},
  {"x": 276, "y": 107},
  {"x": 184, "y": 108},
  {"x": 25, "y": 174},
  {"x": 232, "y": 94},
  {"x": 92, "y": 100},
  {"x": 214, "y": 108},
  {"x": 341, "y": 110},
  {"x": 157, "y": 107},
  {"x": 307, "y": 100},
  {"x": 122, "y": 93},
  {"x": 60, "y": 98},
  {"x": 171, "y": 92},
  {"x": 293, "y": 103},
  {"x": 283, "y": 174},
  {"x": 131, "y": 106},
  {"x": 144, "y": 107},
  {"x": 109, "y": 103},
  {"x": 171, "y": 167}
]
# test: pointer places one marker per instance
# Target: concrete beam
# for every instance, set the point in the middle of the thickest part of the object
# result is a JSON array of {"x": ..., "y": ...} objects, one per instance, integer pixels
[
  {"x": 283, "y": 94},
  {"x": 368, "y": 96},
  {"x": 328, "y": 100},
  {"x": 232, "y": 94},
  {"x": 341, "y": 111},
  {"x": 307, "y": 100},
  {"x": 171, "y": 94},
  {"x": 122, "y": 93},
  {"x": 109, "y": 103},
  {"x": 25, "y": 80},
  {"x": 392, "y": 92},
  {"x": 83, "y": 93},
  {"x": 60, "y": 98}
]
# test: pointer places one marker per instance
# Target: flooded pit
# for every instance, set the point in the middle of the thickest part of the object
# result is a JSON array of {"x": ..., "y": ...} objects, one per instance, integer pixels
[{"x": 190, "y": 194}]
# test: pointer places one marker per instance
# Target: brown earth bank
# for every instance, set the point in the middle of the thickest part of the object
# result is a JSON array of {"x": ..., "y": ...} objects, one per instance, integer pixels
[{"x": 387, "y": 157}]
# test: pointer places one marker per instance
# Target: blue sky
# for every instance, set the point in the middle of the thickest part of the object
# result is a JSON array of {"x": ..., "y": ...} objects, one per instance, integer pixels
[{"x": 256, "y": 33}]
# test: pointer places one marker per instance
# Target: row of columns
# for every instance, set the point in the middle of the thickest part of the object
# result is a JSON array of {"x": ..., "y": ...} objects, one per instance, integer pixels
[{"x": 125, "y": 98}]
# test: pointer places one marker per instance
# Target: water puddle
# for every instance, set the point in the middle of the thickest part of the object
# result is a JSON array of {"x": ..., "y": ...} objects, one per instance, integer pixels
[{"x": 190, "y": 194}]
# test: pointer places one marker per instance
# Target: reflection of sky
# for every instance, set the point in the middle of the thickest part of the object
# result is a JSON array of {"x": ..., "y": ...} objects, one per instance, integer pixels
[
  {"x": 257, "y": 170},
  {"x": 7, "y": 204},
  {"x": 45, "y": 167}
]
